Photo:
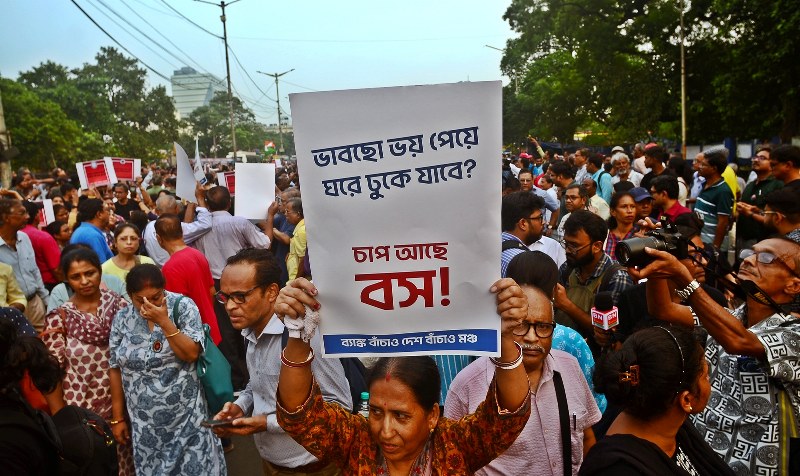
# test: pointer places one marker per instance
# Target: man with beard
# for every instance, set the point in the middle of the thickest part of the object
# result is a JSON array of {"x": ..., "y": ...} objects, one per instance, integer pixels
[
  {"x": 522, "y": 220},
  {"x": 752, "y": 351},
  {"x": 750, "y": 225},
  {"x": 538, "y": 449},
  {"x": 588, "y": 271}
]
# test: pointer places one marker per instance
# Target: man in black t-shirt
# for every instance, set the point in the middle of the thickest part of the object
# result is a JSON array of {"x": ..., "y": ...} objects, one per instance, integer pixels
[{"x": 654, "y": 158}]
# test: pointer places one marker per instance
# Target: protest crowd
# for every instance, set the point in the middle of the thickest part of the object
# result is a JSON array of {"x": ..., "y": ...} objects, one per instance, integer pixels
[{"x": 646, "y": 307}]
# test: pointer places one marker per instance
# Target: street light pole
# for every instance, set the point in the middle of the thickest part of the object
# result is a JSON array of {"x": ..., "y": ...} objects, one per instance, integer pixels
[
  {"x": 683, "y": 89},
  {"x": 222, "y": 5},
  {"x": 516, "y": 83},
  {"x": 278, "y": 95}
]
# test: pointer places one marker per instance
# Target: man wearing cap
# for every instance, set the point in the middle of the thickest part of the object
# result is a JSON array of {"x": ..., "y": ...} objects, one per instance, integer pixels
[
  {"x": 644, "y": 202},
  {"x": 715, "y": 202},
  {"x": 622, "y": 164}
]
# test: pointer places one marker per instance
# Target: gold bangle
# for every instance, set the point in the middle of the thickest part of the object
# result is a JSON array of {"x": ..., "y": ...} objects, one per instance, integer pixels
[
  {"x": 173, "y": 334},
  {"x": 115, "y": 422}
]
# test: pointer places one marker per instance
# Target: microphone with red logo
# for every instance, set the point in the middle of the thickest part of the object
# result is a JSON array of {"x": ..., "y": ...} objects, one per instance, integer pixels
[{"x": 604, "y": 313}]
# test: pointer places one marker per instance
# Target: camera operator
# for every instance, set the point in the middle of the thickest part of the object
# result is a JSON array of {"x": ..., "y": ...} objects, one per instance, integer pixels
[
  {"x": 633, "y": 301},
  {"x": 753, "y": 352}
]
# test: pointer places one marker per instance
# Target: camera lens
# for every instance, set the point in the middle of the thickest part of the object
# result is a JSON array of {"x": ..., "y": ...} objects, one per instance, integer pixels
[{"x": 631, "y": 252}]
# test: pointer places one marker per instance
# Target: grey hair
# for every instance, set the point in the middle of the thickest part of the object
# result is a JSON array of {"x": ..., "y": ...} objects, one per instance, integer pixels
[
  {"x": 619, "y": 155},
  {"x": 166, "y": 204}
]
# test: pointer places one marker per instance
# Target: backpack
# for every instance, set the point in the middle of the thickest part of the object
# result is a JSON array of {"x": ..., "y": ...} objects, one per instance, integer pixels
[
  {"x": 582, "y": 295},
  {"x": 88, "y": 445},
  {"x": 82, "y": 439},
  {"x": 354, "y": 370},
  {"x": 514, "y": 244}
]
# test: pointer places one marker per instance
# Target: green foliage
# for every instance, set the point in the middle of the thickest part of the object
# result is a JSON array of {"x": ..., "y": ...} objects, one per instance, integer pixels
[
  {"x": 614, "y": 66},
  {"x": 108, "y": 101},
  {"x": 41, "y": 131}
]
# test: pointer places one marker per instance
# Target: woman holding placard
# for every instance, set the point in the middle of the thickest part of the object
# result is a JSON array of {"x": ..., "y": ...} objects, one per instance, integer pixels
[{"x": 405, "y": 433}]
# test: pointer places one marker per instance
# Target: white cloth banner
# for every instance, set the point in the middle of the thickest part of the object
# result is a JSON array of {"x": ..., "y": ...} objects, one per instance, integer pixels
[
  {"x": 255, "y": 190},
  {"x": 401, "y": 195}
]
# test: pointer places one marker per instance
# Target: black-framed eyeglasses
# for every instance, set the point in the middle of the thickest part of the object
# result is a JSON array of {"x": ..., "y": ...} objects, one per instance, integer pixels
[
  {"x": 765, "y": 257},
  {"x": 542, "y": 330},
  {"x": 239, "y": 297},
  {"x": 572, "y": 248},
  {"x": 536, "y": 218}
]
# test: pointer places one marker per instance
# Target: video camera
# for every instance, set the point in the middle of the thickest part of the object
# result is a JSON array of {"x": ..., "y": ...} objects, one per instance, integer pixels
[{"x": 631, "y": 252}]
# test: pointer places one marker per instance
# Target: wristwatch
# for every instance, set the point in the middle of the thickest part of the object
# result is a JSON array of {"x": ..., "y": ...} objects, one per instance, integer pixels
[{"x": 688, "y": 290}]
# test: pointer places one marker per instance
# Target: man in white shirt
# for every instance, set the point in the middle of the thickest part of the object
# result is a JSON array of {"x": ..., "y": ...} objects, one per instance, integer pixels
[{"x": 622, "y": 164}]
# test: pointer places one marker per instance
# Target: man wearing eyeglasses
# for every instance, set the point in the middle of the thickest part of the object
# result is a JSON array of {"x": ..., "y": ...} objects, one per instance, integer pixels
[
  {"x": 249, "y": 288},
  {"x": 539, "y": 445},
  {"x": 588, "y": 271},
  {"x": 750, "y": 225},
  {"x": 522, "y": 221},
  {"x": 753, "y": 352}
]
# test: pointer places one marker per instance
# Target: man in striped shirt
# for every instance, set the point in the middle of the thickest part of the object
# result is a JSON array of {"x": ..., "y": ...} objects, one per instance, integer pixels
[{"x": 715, "y": 202}]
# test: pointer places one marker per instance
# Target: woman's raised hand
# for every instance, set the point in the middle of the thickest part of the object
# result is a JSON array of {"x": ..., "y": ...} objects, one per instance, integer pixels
[
  {"x": 512, "y": 304},
  {"x": 294, "y": 297}
]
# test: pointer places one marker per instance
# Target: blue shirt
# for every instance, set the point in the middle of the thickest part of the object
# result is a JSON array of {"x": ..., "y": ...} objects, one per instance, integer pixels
[
  {"x": 449, "y": 366},
  {"x": 604, "y": 185},
  {"x": 93, "y": 237},
  {"x": 23, "y": 261},
  {"x": 570, "y": 341}
]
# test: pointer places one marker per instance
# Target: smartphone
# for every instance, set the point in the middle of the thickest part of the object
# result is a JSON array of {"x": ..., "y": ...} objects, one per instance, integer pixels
[{"x": 216, "y": 423}]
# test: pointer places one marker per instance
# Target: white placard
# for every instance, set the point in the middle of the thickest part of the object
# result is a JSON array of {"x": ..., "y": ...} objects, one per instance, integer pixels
[
  {"x": 692, "y": 151},
  {"x": 401, "y": 198},
  {"x": 95, "y": 173},
  {"x": 185, "y": 183},
  {"x": 744, "y": 151},
  {"x": 255, "y": 190}
]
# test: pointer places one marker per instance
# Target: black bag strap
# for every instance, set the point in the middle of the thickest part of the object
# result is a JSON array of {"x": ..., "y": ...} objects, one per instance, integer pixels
[
  {"x": 563, "y": 418},
  {"x": 514, "y": 244}
]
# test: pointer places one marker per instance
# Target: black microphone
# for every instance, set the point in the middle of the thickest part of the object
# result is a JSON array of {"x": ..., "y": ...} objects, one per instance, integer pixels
[{"x": 604, "y": 313}]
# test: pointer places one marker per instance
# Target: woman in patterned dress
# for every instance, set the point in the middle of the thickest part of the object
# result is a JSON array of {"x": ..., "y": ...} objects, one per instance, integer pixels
[
  {"x": 405, "y": 433},
  {"x": 155, "y": 345},
  {"x": 77, "y": 334},
  {"x": 659, "y": 377}
]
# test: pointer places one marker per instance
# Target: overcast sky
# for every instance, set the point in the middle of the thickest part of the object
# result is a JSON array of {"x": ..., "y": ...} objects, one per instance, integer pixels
[{"x": 347, "y": 44}]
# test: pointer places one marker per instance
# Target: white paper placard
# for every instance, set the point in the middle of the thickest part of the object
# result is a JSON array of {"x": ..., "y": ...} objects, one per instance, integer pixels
[
  {"x": 185, "y": 182},
  {"x": 744, "y": 151},
  {"x": 255, "y": 190},
  {"x": 95, "y": 173},
  {"x": 401, "y": 200}
]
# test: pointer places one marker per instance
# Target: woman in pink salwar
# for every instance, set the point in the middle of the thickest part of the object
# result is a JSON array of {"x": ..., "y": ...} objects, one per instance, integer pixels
[{"x": 77, "y": 334}]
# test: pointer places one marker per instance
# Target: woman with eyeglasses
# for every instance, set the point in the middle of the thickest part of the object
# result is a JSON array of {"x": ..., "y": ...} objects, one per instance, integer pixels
[
  {"x": 126, "y": 243},
  {"x": 659, "y": 378},
  {"x": 158, "y": 401},
  {"x": 405, "y": 432},
  {"x": 77, "y": 334}
]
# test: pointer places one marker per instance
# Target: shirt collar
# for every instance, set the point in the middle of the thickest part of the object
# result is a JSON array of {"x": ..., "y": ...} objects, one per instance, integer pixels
[{"x": 274, "y": 327}]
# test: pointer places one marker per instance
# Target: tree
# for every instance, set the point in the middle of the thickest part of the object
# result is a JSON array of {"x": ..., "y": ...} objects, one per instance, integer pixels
[
  {"x": 212, "y": 124},
  {"x": 42, "y": 132},
  {"x": 616, "y": 64},
  {"x": 111, "y": 101}
]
